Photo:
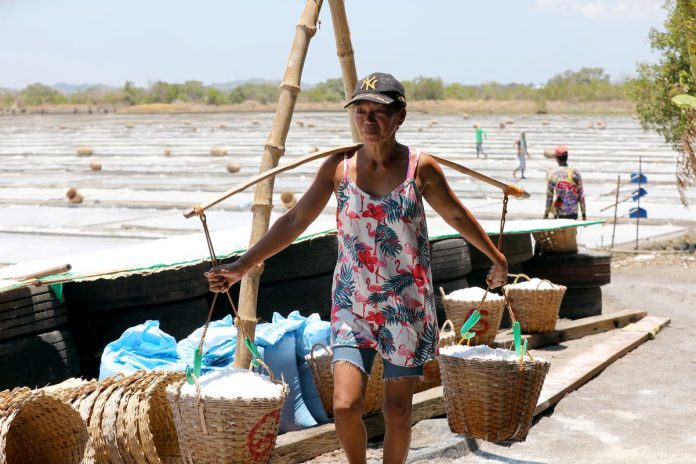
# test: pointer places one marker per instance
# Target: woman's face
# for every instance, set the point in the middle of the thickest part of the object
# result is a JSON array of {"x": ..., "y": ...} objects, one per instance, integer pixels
[{"x": 377, "y": 122}]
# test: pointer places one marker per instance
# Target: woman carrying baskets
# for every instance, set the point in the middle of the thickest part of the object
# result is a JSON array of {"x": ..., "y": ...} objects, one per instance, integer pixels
[{"x": 383, "y": 298}]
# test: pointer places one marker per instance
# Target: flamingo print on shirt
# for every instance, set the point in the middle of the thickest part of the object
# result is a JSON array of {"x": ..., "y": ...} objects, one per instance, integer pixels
[{"x": 382, "y": 296}]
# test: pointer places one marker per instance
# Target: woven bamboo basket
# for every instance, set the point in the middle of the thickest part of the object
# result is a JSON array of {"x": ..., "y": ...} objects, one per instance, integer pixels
[
  {"x": 36, "y": 427},
  {"x": 535, "y": 309},
  {"x": 323, "y": 378},
  {"x": 431, "y": 369},
  {"x": 458, "y": 311},
  {"x": 492, "y": 400},
  {"x": 557, "y": 241},
  {"x": 229, "y": 430}
]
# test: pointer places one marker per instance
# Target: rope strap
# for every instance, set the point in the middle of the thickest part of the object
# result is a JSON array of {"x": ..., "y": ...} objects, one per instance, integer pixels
[{"x": 194, "y": 373}]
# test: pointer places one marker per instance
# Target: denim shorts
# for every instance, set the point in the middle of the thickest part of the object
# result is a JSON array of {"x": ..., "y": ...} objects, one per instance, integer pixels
[{"x": 362, "y": 358}]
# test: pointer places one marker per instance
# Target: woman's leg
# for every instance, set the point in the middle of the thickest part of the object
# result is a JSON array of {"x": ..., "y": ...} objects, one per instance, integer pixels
[
  {"x": 349, "y": 390},
  {"x": 398, "y": 395}
]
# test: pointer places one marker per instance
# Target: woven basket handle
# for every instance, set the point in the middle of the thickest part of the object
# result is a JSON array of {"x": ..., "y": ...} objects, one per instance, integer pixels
[
  {"x": 320, "y": 345},
  {"x": 444, "y": 297},
  {"x": 311, "y": 357},
  {"x": 517, "y": 277},
  {"x": 268, "y": 369},
  {"x": 446, "y": 324}
]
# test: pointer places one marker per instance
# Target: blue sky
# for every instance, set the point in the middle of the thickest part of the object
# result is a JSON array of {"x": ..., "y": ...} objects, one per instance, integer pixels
[{"x": 466, "y": 41}]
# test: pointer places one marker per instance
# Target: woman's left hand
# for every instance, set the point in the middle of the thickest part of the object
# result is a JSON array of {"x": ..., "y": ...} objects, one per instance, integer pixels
[{"x": 497, "y": 276}]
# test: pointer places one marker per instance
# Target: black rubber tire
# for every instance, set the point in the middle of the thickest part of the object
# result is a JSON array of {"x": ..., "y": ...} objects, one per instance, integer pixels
[
  {"x": 137, "y": 290},
  {"x": 574, "y": 270},
  {"x": 25, "y": 296},
  {"x": 94, "y": 330},
  {"x": 517, "y": 248},
  {"x": 448, "y": 286},
  {"x": 38, "y": 360},
  {"x": 581, "y": 302},
  {"x": 32, "y": 319},
  {"x": 313, "y": 257},
  {"x": 308, "y": 295},
  {"x": 449, "y": 259}
]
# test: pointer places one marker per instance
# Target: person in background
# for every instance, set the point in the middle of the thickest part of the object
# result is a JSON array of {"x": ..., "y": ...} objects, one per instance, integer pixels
[
  {"x": 564, "y": 189},
  {"x": 383, "y": 299},
  {"x": 481, "y": 135},
  {"x": 522, "y": 155}
]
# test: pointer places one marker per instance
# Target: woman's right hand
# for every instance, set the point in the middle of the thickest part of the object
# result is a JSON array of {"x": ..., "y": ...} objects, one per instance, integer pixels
[{"x": 222, "y": 277}]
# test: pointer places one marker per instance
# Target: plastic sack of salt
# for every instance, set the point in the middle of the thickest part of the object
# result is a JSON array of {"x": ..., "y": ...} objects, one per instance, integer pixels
[
  {"x": 218, "y": 348},
  {"x": 203, "y": 413},
  {"x": 279, "y": 340},
  {"x": 144, "y": 346},
  {"x": 490, "y": 393},
  {"x": 312, "y": 331}
]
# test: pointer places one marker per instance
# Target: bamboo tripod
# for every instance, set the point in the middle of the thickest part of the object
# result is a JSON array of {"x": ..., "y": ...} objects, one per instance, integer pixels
[{"x": 274, "y": 149}]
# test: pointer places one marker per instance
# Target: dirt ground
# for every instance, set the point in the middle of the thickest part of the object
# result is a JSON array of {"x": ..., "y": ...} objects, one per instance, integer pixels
[{"x": 642, "y": 407}]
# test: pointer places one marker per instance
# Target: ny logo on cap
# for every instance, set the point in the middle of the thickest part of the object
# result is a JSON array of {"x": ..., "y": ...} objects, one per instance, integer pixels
[{"x": 368, "y": 83}]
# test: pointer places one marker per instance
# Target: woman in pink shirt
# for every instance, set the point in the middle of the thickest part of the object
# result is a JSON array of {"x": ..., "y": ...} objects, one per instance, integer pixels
[{"x": 383, "y": 299}]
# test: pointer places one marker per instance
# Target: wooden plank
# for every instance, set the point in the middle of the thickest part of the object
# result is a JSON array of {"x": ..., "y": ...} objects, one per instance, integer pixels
[
  {"x": 564, "y": 377},
  {"x": 306, "y": 444},
  {"x": 570, "y": 330},
  {"x": 578, "y": 370}
]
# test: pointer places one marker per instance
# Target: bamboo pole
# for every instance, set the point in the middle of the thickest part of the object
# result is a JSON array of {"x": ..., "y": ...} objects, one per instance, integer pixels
[
  {"x": 273, "y": 150},
  {"x": 271, "y": 173},
  {"x": 346, "y": 56},
  {"x": 511, "y": 189}
]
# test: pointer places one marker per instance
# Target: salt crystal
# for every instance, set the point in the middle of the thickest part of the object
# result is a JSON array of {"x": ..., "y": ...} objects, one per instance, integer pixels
[
  {"x": 234, "y": 383},
  {"x": 534, "y": 284},
  {"x": 481, "y": 352},
  {"x": 472, "y": 294}
]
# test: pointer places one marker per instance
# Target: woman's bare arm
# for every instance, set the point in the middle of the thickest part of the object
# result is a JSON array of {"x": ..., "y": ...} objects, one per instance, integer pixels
[
  {"x": 440, "y": 196},
  {"x": 284, "y": 230}
]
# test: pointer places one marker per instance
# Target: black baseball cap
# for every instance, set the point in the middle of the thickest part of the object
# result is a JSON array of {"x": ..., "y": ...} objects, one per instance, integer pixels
[{"x": 379, "y": 88}]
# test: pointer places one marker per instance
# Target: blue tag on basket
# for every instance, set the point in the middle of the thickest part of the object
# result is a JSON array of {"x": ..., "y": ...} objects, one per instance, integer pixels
[
  {"x": 194, "y": 373},
  {"x": 470, "y": 322},
  {"x": 251, "y": 346},
  {"x": 520, "y": 348}
]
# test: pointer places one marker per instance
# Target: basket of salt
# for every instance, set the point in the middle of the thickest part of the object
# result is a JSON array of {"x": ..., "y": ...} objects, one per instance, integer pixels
[
  {"x": 431, "y": 369},
  {"x": 490, "y": 393},
  {"x": 460, "y": 304},
  {"x": 535, "y": 303},
  {"x": 558, "y": 240},
  {"x": 229, "y": 416},
  {"x": 321, "y": 362},
  {"x": 38, "y": 427}
]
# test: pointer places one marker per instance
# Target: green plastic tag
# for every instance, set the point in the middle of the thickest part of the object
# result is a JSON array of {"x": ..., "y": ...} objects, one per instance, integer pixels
[
  {"x": 470, "y": 322},
  {"x": 251, "y": 346},
  {"x": 193, "y": 373},
  {"x": 520, "y": 348},
  {"x": 57, "y": 290}
]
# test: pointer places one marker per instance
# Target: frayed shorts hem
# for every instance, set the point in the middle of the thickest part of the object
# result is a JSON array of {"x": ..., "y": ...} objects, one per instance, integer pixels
[{"x": 363, "y": 358}]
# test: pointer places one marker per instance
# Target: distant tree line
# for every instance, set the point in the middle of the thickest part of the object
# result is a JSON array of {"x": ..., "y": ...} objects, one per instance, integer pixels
[{"x": 587, "y": 84}]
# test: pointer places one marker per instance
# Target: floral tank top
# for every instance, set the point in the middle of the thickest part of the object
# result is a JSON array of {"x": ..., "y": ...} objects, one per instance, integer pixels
[{"x": 382, "y": 295}]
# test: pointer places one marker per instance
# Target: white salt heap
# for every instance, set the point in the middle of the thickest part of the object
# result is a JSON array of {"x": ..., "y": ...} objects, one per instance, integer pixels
[
  {"x": 534, "y": 284},
  {"x": 472, "y": 294},
  {"x": 481, "y": 352},
  {"x": 234, "y": 383}
]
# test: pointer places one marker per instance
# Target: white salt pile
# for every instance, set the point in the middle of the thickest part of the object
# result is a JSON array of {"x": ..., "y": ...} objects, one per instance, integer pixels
[
  {"x": 481, "y": 352},
  {"x": 234, "y": 383},
  {"x": 534, "y": 284},
  {"x": 472, "y": 294}
]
